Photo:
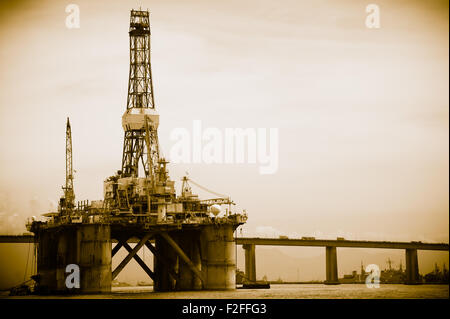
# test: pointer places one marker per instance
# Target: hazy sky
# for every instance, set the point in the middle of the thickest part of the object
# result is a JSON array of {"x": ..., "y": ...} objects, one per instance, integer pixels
[{"x": 362, "y": 113}]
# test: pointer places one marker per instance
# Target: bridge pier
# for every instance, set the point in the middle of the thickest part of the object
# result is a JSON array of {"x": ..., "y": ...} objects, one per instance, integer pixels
[
  {"x": 250, "y": 262},
  {"x": 412, "y": 267},
  {"x": 331, "y": 266}
]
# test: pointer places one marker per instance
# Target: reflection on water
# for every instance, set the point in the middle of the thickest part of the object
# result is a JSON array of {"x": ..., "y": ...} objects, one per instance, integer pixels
[{"x": 347, "y": 291}]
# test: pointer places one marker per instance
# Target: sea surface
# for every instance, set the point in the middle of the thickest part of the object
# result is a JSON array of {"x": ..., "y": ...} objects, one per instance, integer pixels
[{"x": 277, "y": 291}]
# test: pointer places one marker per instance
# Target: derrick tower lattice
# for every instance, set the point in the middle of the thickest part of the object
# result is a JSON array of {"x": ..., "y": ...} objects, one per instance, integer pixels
[{"x": 140, "y": 120}]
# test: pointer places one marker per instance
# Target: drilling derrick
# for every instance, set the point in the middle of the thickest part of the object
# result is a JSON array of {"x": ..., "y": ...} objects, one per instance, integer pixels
[
  {"x": 67, "y": 202},
  {"x": 127, "y": 192},
  {"x": 140, "y": 120}
]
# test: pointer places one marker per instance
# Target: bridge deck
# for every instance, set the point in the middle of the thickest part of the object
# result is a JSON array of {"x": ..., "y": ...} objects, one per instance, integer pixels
[
  {"x": 16, "y": 239},
  {"x": 292, "y": 242},
  {"x": 342, "y": 243}
]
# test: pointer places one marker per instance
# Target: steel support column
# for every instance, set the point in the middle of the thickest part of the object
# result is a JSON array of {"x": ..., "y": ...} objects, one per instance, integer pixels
[
  {"x": 183, "y": 256},
  {"x": 159, "y": 257}
]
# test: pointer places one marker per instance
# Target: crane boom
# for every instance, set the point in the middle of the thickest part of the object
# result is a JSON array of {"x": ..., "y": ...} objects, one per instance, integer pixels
[{"x": 69, "y": 194}]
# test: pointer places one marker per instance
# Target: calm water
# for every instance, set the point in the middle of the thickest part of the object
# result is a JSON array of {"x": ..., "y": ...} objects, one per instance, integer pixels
[{"x": 346, "y": 291}]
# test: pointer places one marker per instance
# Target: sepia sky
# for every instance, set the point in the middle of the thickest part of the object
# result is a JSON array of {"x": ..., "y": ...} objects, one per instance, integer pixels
[{"x": 362, "y": 113}]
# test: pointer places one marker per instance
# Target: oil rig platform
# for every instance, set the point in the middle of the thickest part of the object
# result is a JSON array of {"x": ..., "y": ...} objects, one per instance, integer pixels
[{"x": 191, "y": 239}]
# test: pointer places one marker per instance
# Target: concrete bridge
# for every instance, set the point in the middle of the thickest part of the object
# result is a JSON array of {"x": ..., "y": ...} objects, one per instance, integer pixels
[
  {"x": 249, "y": 245},
  {"x": 412, "y": 265}
]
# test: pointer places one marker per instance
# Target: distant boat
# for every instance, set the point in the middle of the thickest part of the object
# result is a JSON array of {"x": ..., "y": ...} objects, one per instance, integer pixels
[
  {"x": 116, "y": 283},
  {"x": 256, "y": 285},
  {"x": 144, "y": 283}
]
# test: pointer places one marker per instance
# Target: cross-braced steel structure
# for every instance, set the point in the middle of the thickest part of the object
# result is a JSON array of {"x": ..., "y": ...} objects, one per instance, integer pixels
[
  {"x": 141, "y": 137},
  {"x": 68, "y": 201}
]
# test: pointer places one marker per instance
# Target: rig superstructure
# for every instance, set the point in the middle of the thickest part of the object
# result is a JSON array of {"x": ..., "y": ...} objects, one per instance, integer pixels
[{"x": 191, "y": 239}]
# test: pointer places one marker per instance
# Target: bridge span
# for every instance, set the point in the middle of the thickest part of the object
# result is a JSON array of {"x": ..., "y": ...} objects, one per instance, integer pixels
[
  {"x": 249, "y": 244},
  {"x": 412, "y": 264}
]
